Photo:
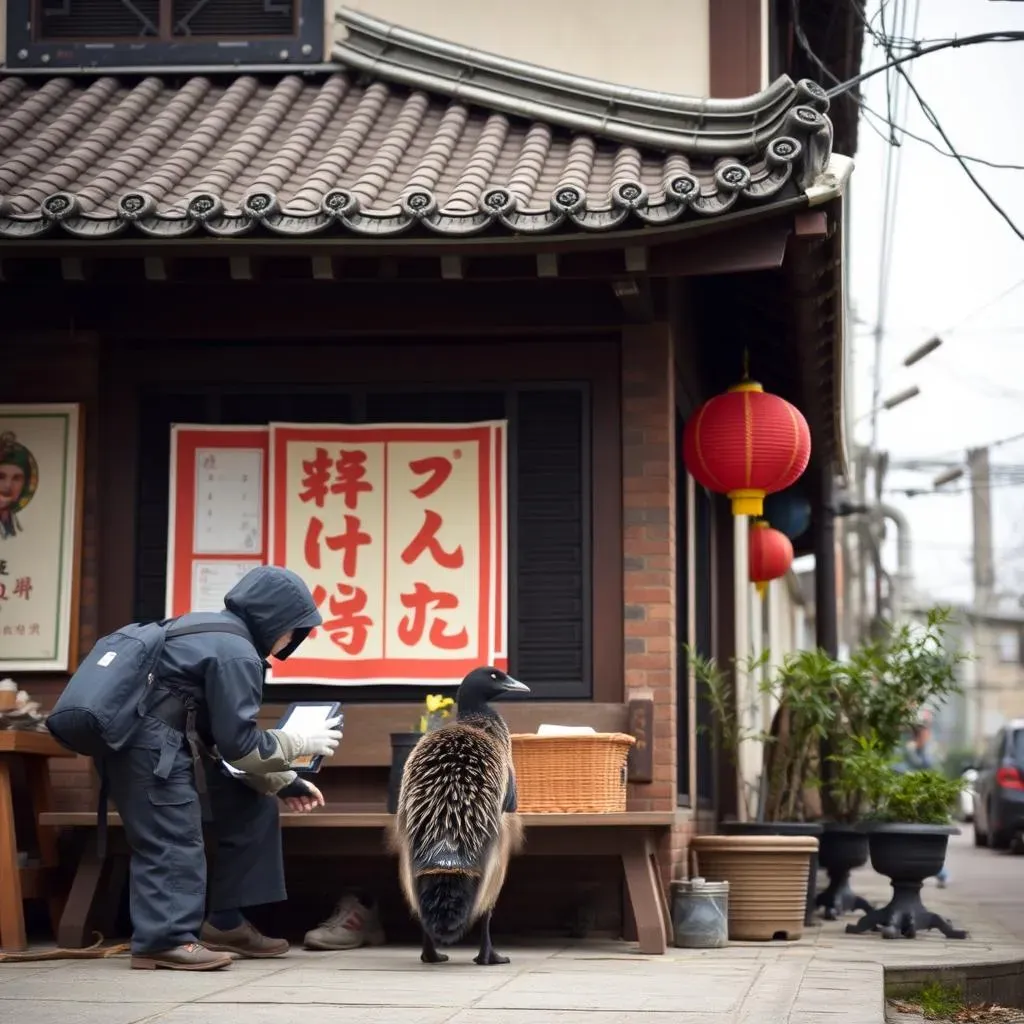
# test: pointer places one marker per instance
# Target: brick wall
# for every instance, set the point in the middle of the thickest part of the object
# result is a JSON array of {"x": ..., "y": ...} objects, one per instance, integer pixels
[
  {"x": 64, "y": 370},
  {"x": 649, "y": 466}
]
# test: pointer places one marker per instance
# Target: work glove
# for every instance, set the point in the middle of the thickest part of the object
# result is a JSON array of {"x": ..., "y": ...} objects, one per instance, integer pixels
[{"x": 321, "y": 741}]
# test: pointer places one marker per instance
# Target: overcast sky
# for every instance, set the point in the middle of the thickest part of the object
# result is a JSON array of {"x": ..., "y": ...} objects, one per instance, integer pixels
[{"x": 952, "y": 254}]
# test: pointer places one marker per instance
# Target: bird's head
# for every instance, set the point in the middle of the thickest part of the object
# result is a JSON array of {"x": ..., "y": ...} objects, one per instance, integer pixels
[{"x": 486, "y": 684}]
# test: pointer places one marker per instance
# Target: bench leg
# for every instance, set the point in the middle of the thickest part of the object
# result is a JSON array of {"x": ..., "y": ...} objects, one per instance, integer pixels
[
  {"x": 73, "y": 931},
  {"x": 38, "y": 770},
  {"x": 12, "y": 910},
  {"x": 645, "y": 895}
]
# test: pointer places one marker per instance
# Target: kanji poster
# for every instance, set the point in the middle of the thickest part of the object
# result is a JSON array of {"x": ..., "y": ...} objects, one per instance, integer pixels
[{"x": 399, "y": 531}]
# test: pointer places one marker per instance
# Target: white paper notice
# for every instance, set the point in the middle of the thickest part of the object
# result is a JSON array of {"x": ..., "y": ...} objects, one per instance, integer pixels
[
  {"x": 212, "y": 580},
  {"x": 229, "y": 501}
]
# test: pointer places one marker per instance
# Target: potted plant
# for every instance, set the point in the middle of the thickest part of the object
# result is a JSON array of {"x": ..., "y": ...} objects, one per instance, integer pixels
[
  {"x": 437, "y": 708},
  {"x": 768, "y": 858},
  {"x": 908, "y": 831},
  {"x": 878, "y": 694}
]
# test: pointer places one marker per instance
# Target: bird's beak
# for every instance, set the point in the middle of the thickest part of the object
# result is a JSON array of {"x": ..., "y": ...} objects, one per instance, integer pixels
[{"x": 514, "y": 686}]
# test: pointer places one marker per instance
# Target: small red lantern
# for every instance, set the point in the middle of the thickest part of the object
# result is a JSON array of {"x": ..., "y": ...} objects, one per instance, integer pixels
[
  {"x": 746, "y": 444},
  {"x": 771, "y": 554}
]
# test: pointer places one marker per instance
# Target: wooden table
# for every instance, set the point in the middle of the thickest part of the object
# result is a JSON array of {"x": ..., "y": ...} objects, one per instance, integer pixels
[
  {"x": 33, "y": 749},
  {"x": 632, "y": 836}
]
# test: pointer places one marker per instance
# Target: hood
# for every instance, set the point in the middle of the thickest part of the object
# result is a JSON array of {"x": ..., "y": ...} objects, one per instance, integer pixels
[{"x": 270, "y": 600}]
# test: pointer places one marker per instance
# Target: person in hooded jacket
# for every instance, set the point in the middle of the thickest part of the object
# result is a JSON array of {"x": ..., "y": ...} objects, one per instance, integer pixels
[{"x": 153, "y": 782}]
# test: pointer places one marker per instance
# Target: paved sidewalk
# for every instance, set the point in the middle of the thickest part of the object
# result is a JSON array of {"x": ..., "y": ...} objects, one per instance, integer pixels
[{"x": 828, "y": 978}]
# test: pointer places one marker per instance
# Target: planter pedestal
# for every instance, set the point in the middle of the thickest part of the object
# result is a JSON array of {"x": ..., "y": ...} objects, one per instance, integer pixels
[
  {"x": 907, "y": 855},
  {"x": 905, "y": 915},
  {"x": 843, "y": 849},
  {"x": 401, "y": 747}
]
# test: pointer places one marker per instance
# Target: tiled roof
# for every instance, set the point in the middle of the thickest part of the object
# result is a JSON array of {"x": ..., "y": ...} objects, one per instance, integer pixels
[{"x": 407, "y": 131}]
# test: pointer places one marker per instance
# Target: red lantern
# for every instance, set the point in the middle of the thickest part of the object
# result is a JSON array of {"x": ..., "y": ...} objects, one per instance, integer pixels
[
  {"x": 771, "y": 554},
  {"x": 746, "y": 444}
]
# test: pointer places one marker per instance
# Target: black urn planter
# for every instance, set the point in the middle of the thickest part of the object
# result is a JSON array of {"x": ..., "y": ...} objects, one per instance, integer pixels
[
  {"x": 401, "y": 747},
  {"x": 843, "y": 848},
  {"x": 784, "y": 828},
  {"x": 907, "y": 854}
]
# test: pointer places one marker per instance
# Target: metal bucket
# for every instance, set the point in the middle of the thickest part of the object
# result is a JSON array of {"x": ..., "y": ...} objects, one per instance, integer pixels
[{"x": 700, "y": 913}]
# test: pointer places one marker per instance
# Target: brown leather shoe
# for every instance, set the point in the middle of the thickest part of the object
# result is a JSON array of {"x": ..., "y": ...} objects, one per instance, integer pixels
[
  {"x": 190, "y": 957},
  {"x": 245, "y": 941}
]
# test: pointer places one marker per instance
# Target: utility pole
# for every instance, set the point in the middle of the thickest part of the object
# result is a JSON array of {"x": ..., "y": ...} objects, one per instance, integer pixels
[
  {"x": 981, "y": 516},
  {"x": 984, "y": 579}
]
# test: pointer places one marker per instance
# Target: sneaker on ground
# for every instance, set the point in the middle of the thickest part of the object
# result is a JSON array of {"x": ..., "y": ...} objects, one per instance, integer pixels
[{"x": 353, "y": 924}]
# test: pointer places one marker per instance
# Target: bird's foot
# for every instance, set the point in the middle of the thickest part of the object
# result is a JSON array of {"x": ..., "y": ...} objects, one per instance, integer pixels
[{"x": 488, "y": 958}]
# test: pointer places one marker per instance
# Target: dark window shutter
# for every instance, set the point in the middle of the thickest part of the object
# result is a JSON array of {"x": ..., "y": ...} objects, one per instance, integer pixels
[
  {"x": 551, "y": 649},
  {"x": 249, "y": 19},
  {"x": 97, "y": 19}
]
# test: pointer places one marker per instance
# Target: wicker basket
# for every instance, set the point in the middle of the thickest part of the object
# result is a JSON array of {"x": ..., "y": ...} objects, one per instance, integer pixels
[{"x": 583, "y": 773}]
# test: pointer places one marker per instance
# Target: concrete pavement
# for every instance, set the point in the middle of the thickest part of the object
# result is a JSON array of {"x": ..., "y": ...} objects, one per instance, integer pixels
[{"x": 827, "y": 978}]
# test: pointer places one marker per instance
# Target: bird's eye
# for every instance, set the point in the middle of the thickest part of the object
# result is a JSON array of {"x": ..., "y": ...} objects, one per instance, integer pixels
[{"x": 494, "y": 675}]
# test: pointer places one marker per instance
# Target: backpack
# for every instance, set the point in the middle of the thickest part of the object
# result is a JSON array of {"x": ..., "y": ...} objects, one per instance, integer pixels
[{"x": 110, "y": 692}]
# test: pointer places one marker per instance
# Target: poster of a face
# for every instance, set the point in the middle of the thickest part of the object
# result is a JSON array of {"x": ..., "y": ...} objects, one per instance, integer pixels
[{"x": 39, "y": 487}]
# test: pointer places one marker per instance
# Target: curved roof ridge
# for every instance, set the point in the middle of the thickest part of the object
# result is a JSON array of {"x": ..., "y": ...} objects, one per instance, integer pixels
[{"x": 662, "y": 120}]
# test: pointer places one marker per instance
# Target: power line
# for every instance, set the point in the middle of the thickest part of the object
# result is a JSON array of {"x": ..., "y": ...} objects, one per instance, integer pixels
[
  {"x": 921, "y": 51},
  {"x": 930, "y": 116}
]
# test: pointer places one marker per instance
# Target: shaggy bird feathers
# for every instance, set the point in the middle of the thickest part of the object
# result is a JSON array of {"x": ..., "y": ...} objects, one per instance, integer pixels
[{"x": 452, "y": 834}]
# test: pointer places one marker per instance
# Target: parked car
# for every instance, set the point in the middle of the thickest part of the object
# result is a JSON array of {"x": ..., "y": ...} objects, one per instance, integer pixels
[
  {"x": 999, "y": 789},
  {"x": 968, "y": 793}
]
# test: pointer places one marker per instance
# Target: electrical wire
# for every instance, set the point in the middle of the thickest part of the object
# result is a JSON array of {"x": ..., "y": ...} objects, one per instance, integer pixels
[
  {"x": 930, "y": 116},
  {"x": 922, "y": 51}
]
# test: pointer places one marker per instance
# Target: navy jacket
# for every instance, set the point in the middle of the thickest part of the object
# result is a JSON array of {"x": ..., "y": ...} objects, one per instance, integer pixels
[{"x": 225, "y": 672}]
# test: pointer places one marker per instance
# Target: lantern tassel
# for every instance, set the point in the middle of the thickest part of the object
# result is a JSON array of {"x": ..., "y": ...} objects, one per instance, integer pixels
[{"x": 762, "y": 588}]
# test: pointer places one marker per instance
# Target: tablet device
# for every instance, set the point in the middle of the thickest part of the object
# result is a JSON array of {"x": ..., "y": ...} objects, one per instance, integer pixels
[{"x": 305, "y": 713}]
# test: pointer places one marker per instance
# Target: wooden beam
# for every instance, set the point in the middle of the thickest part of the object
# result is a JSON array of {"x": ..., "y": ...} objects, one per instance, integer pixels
[
  {"x": 811, "y": 224},
  {"x": 241, "y": 268},
  {"x": 387, "y": 268},
  {"x": 547, "y": 264},
  {"x": 451, "y": 268},
  {"x": 72, "y": 268},
  {"x": 636, "y": 260},
  {"x": 156, "y": 268},
  {"x": 635, "y": 298},
  {"x": 323, "y": 268}
]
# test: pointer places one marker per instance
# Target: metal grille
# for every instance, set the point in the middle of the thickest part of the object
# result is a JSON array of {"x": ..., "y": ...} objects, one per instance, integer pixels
[
  {"x": 97, "y": 19},
  {"x": 250, "y": 19}
]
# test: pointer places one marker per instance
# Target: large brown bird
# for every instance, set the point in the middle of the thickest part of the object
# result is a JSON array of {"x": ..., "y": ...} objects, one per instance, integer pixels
[{"x": 457, "y": 825}]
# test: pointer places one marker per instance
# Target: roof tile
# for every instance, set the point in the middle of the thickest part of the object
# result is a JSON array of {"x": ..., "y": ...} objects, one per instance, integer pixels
[{"x": 105, "y": 155}]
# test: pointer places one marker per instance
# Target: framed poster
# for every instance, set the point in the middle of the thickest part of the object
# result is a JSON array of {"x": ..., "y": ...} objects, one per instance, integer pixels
[
  {"x": 41, "y": 454},
  {"x": 217, "y": 513},
  {"x": 399, "y": 530}
]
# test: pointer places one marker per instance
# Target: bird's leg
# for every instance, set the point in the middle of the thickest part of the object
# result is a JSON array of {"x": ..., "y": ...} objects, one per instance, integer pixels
[
  {"x": 487, "y": 956},
  {"x": 430, "y": 954}
]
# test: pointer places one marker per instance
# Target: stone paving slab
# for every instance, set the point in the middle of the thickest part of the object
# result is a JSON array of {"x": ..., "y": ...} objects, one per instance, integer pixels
[{"x": 826, "y": 978}]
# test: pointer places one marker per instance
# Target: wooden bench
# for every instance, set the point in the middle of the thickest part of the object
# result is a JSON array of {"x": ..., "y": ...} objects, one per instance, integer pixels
[{"x": 632, "y": 836}]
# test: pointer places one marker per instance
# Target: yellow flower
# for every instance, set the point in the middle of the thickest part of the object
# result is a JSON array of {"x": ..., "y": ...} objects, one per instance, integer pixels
[{"x": 434, "y": 702}]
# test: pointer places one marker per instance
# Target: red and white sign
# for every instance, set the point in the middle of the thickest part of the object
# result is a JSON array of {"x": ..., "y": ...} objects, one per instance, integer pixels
[
  {"x": 398, "y": 530},
  {"x": 218, "y": 513}
]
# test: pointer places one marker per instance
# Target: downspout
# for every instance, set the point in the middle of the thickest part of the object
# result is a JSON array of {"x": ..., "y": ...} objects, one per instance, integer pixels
[{"x": 900, "y": 583}]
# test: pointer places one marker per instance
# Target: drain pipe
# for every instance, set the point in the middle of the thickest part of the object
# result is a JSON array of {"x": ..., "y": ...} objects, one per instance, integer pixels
[{"x": 900, "y": 582}]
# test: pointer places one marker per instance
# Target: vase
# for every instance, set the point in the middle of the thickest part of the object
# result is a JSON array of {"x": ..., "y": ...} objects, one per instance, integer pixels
[{"x": 844, "y": 848}]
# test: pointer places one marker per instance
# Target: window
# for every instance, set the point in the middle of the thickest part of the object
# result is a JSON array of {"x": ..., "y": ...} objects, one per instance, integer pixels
[
  {"x": 1009, "y": 647},
  {"x": 549, "y": 506},
  {"x": 162, "y": 19},
  {"x": 55, "y": 34}
]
